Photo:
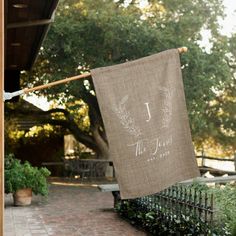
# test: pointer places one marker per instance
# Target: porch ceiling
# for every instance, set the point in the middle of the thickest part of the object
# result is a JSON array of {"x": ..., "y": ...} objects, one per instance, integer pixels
[{"x": 27, "y": 23}]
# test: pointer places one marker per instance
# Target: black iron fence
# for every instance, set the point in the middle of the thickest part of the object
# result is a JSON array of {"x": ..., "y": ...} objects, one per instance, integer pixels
[{"x": 178, "y": 210}]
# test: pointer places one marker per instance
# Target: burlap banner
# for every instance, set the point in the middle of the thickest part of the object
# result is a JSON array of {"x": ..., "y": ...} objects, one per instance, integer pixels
[{"x": 144, "y": 112}]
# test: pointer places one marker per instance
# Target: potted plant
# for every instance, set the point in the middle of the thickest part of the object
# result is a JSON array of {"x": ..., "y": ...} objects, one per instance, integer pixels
[{"x": 21, "y": 179}]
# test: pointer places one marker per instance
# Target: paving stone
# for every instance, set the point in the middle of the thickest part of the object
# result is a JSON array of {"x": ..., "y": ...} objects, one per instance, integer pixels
[
  {"x": 68, "y": 211},
  {"x": 9, "y": 234},
  {"x": 38, "y": 231},
  {"x": 40, "y": 226}
]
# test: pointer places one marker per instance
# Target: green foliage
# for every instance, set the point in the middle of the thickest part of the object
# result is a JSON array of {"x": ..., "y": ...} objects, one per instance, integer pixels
[
  {"x": 163, "y": 220},
  {"x": 225, "y": 202},
  {"x": 89, "y": 34},
  {"x": 22, "y": 175}
]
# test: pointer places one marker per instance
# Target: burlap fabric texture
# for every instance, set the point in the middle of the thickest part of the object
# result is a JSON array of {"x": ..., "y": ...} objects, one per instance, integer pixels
[{"x": 143, "y": 107}]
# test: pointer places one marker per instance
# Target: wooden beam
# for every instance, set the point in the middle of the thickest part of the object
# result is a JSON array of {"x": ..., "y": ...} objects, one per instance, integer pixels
[
  {"x": 30, "y": 23},
  {"x": 215, "y": 158},
  {"x": 1, "y": 118}
]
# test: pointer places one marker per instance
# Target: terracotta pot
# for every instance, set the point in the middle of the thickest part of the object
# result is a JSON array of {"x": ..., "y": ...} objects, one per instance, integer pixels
[{"x": 22, "y": 197}]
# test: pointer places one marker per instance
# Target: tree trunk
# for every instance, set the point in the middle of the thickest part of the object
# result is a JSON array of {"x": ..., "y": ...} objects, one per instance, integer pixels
[{"x": 101, "y": 143}]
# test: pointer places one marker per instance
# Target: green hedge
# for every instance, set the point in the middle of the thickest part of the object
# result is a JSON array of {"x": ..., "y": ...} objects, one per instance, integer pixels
[{"x": 163, "y": 222}]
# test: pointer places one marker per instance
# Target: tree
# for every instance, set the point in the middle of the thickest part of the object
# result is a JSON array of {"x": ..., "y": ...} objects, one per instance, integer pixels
[{"x": 89, "y": 34}]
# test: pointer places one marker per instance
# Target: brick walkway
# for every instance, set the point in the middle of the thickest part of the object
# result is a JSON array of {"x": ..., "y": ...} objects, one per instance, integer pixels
[{"x": 68, "y": 211}]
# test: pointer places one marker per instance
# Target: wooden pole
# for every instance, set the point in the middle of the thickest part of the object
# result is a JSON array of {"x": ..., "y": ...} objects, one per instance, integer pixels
[
  {"x": 182, "y": 50},
  {"x": 27, "y": 90},
  {"x": 1, "y": 117}
]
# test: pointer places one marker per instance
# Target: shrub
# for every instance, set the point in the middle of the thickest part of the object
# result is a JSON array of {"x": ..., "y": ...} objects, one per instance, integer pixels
[
  {"x": 162, "y": 220},
  {"x": 23, "y": 175}
]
